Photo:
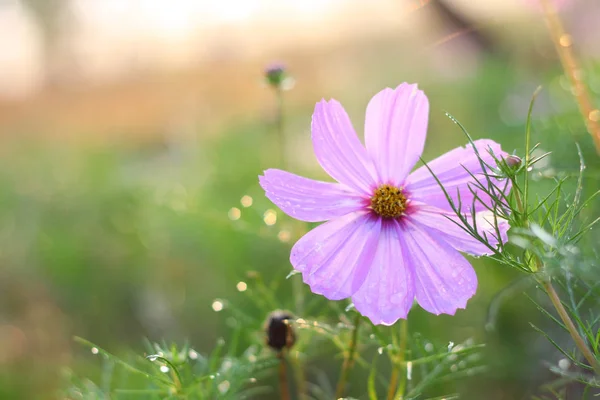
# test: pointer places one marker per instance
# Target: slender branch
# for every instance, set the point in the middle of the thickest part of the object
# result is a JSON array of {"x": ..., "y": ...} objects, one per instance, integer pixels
[
  {"x": 560, "y": 309},
  {"x": 564, "y": 315},
  {"x": 281, "y": 144},
  {"x": 279, "y": 125},
  {"x": 283, "y": 382},
  {"x": 297, "y": 288},
  {"x": 402, "y": 359},
  {"x": 395, "y": 390},
  {"x": 349, "y": 359},
  {"x": 393, "y": 382},
  {"x": 563, "y": 43}
]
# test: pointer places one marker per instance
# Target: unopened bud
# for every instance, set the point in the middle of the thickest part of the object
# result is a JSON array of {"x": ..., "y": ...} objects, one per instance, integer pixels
[
  {"x": 280, "y": 334},
  {"x": 275, "y": 74},
  {"x": 513, "y": 162}
]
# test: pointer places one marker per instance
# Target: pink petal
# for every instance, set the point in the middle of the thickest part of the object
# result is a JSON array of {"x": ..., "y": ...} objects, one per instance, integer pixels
[
  {"x": 450, "y": 170},
  {"x": 442, "y": 223},
  {"x": 395, "y": 130},
  {"x": 306, "y": 199},
  {"x": 334, "y": 258},
  {"x": 388, "y": 291},
  {"x": 444, "y": 279},
  {"x": 338, "y": 149}
]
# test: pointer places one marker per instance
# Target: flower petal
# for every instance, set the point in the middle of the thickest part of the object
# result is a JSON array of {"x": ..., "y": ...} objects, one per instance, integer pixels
[
  {"x": 445, "y": 225},
  {"x": 388, "y": 291},
  {"x": 334, "y": 258},
  {"x": 338, "y": 149},
  {"x": 450, "y": 170},
  {"x": 444, "y": 279},
  {"x": 306, "y": 199},
  {"x": 395, "y": 131}
]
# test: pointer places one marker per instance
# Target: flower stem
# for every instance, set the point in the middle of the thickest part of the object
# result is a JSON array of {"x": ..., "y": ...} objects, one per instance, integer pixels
[
  {"x": 281, "y": 144},
  {"x": 297, "y": 289},
  {"x": 560, "y": 309},
  {"x": 349, "y": 359},
  {"x": 279, "y": 125},
  {"x": 283, "y": 383},
  {"x": 563, "y": 43},
  {"x": 395, "y": 389},
  {"x": 564, "y": 315}
]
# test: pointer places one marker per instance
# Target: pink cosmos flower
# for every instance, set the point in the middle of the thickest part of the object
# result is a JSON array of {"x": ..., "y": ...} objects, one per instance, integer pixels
[{"x": 388, "y": 239}]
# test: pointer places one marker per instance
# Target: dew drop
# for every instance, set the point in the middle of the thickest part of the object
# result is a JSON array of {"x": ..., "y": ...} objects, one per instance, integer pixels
[
  {"x": 95, "y": 350},
  {"x": 564, "y": 364},
  {"x": 380, "y": 350}
]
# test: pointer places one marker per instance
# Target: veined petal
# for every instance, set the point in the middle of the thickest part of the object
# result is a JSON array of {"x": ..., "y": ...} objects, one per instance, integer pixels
[
  {"x": 306, "y": 199},
  {"x": 395, "y": 131},
  {"x": 334, "y": 258},
  {"x": 338, "y": 149},
  {"x": 451, "y": 169},
  {"x": 388, "y": 291},
  {"x": 444, "y": 279},
  {"x": 445, "y": 225}
]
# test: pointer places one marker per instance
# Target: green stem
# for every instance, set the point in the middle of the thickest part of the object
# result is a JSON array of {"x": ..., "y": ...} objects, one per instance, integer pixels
[
  {"x": 396, "y": 389},
  {"x": 297, "y": 289},
  {"x": 564, "y": 315},
  {"x": 281, "y": 144},
  {"x": 349, "y": 359},
  {"x": 283, "y": 383},
  {"x": 393, "y": 383},
  {"x": 560, "y": 309},
  {"x": 279, "y": 126}
]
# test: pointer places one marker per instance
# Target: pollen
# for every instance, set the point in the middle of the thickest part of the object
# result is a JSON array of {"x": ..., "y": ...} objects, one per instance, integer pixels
[{"x": 388, "y": 201}]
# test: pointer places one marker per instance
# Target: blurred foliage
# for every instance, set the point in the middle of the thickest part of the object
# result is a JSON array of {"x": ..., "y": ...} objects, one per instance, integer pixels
[{"x": 118, "y": 243}]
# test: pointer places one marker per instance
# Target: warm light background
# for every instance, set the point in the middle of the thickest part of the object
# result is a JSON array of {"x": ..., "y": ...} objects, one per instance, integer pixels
[{"x": 131, "y": 129}]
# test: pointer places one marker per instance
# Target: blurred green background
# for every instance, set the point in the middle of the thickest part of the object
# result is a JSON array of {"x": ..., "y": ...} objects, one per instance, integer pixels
[{"x": 128, "y": 205}]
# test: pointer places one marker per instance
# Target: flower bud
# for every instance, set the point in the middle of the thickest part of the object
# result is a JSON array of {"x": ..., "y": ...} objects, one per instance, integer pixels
[
  {"x": 513, "y": 161},
  {"x": 279, "y": 333},
  {"x": 275, "y": 74}
]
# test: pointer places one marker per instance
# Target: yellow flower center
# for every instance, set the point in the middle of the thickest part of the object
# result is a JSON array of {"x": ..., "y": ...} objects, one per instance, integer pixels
[{"x": 388, "y": 201}]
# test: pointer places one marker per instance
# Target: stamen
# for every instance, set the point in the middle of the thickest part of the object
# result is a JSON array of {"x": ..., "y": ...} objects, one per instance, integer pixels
[{"x": 388, "y": 201}]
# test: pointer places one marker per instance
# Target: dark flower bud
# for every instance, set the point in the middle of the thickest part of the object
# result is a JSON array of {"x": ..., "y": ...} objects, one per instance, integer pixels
[
  {"x": 513, "y": 162},
  {"x": 280, "y": 333},
  {"x": 275, "y": 74}
]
